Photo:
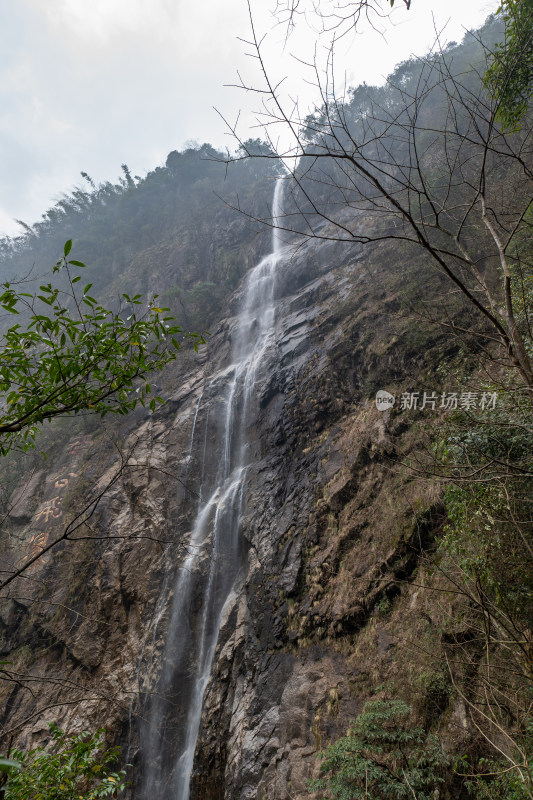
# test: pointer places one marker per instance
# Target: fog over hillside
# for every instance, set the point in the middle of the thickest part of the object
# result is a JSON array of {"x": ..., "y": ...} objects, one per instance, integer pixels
[{"x": 89, "y": 86}]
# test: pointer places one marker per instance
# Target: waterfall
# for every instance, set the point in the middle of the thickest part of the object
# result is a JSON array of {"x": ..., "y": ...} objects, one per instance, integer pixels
[{"x": 169, "y": 731}]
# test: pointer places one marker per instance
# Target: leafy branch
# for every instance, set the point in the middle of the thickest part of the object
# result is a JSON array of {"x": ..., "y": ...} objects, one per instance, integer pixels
[{"x": 75, "y": 355}]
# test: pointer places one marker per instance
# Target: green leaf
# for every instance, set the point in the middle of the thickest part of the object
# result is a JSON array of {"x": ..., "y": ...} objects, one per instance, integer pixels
[
  {"x": 7, "y": 764},
  {"x": 67, "y": 248},
  {"x": 80, "y": 363}
]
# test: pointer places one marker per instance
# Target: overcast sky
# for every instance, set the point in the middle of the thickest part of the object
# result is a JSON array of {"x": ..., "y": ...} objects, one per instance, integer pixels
[{"x": 91, "y": 84}]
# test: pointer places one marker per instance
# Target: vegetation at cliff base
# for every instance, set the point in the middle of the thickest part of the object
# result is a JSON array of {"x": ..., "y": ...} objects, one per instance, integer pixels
[
  {"x": 383, "y": 757},
  {"x": 71, "y": 767}
]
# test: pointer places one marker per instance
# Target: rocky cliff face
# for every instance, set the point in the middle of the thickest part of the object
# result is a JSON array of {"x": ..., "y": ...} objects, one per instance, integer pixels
[{"x": 326, "y": 608}]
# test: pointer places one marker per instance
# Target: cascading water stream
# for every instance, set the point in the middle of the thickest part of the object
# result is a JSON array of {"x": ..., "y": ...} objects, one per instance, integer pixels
[{"x": 214, "y": 555}]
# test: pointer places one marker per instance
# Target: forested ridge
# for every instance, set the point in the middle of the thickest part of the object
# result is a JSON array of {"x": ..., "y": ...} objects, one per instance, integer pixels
[{"x": 130, "y": 232}]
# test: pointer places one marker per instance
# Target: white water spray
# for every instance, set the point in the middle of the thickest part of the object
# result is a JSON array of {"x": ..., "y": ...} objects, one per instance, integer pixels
[{"x": 168, "y": 740}]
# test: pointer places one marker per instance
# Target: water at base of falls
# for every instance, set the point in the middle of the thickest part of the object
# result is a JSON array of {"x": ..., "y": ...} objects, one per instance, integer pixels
[{"x": 171, "y": 721}]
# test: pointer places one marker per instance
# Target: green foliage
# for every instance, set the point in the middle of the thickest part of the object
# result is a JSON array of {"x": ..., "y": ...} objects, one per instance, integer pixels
[
  {"x": 72, "y": 768},
  {"x": 488, "y": 550},
  {"x": 436, "y": 687},
  {"x": 495, "y": 780},
  {"x": 204, "y": 295},
  {"x": 505, "y": 786},
  {"x": 73, "y": 355},
  {"x": 489, "y": 531},
  {"x": 8, "y": 764},
  {"x": 384, "y": 606},
  {"x": 521, "y": 267},
  {"x": 383, "y": 757},
  {"x": 509, "y": 78}
]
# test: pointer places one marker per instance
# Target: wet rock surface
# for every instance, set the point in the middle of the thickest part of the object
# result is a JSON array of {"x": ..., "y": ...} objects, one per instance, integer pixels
[{"x": 331, "y": 529}]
